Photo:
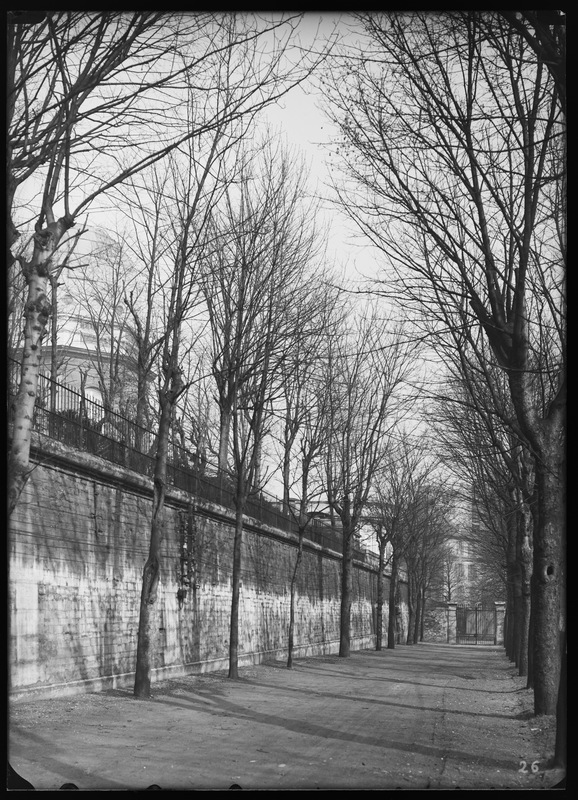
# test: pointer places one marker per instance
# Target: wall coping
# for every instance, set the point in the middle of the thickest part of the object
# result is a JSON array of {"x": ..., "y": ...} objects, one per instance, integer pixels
[{"x": 47, "y": 451}]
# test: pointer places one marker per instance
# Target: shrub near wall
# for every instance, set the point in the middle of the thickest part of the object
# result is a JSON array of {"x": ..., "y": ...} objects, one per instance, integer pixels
[{"x": 78, "y": 543}]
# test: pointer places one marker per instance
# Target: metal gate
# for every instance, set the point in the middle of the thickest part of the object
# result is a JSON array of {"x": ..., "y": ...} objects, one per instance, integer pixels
[{"x": 476, "y": 625}]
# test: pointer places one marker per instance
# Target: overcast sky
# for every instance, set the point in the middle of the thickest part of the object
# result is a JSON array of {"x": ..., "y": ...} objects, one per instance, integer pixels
[{"x": 301, "y": 119}]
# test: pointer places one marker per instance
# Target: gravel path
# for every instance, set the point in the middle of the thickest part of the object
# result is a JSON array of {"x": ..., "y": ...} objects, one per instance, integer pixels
[{"x": 421, "y": 717}]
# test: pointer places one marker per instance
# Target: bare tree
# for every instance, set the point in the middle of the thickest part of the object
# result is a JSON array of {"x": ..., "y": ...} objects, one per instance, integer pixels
[
  {"x": 304, "y": 434},
  {"x": 545, "y": 32},
  {"x": 148, "y": 239},
  {"x": 475, "y": 424},
  {"x": 409, "y": 511},
  {"x": 457, "y": 137},
  {"x": 17, "y": 291},
  {"x": 309, "y": 451},
  {"x": 301, "y": 371},
  {"x": 365, "y": 369},
  {"x": 260, "y": 247},
  {"x": 449, "y": 583},
  {"x": 190, "y": 207},
  {"x": 471, "y": 425},
  {"x": 195, "y": 422},
  {"x": 174, "y": 224},
  {"x": 389, "y": 508},
  {"x": 95, "y": 295},
  {"x": 94, "y": 98},
  {"x": 426, "y": 531}
]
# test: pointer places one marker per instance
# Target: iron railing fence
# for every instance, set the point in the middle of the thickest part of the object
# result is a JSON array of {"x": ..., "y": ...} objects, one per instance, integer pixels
[{"x": 64, "y": 414}]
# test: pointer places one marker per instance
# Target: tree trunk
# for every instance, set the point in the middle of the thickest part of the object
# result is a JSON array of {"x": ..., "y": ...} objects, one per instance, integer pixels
[
  {"x": 257, "y": 466},
  {"x": 523, "y": 628},
  {"x": 147, "y": 629},
  {"x": 37, "y": 312},
  {"x": 224, "y": 435},
  {"x": 141, "y": 411},
  {"x": 411, "y": 609},
  {"x": 151, "y": 573},
  {"x": 515, "y": 574},
  {"x": 508, "y": 646},
  {"x": 530, "y": 681},
  {"x": 514, "y": 590},
  {"x": 53, "y": 343},
  {"x": 391, "y": 622},
  {"x": 292, "y": 600},
  {"x": 346, "y": 585},
  {"x": 286, "y": 479},
  {"x": 560, "y": 748},
  {"x": 525, "y": 560},
  {"x": 422, "y": 616},
  {"x": 418, "y": 614},
  {"x": 380, "y": 595},
  {"x": 236, "y": 579},
  {"x": 548, "y": 576},
  {"x": 510, "y": 624}
]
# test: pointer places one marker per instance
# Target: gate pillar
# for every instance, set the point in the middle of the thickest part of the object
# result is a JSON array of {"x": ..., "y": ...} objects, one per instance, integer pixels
[
  {"x": 452, "y": 623},
  {"x": 499, "y": 613}
]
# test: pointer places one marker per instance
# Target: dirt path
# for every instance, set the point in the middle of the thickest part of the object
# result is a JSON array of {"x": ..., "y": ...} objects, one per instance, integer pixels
[{"x": 428, "y": 716}]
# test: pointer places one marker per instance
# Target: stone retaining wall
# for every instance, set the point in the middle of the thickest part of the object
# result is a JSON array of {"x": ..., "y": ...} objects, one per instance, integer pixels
[{"x": 77, "y": 546}]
